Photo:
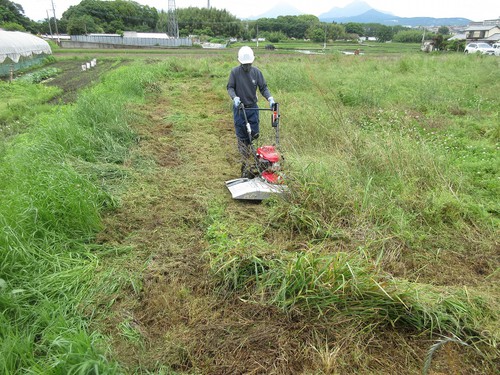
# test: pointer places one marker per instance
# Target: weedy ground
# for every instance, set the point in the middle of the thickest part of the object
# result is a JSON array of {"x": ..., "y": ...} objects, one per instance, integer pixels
[
  {"x": 383, "y": 259},
  {"x": 290, "y": 287}
]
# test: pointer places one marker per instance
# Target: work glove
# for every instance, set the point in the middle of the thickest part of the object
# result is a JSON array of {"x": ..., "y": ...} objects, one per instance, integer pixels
[
  {"x": 236, "y": 101},
  {"x": 271, "y": 101}
]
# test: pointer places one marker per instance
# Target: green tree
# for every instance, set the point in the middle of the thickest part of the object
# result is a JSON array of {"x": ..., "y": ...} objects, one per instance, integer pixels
[
  {"x": 316, "y": 34},
  {"x": 398, "y": 28},
  {"x": 384, "y": 33},
  {"x": 12, "y": 17},
  {"x": 371, "y": 29},
  {"x": 110, "y": 15},
  {"x": 456, "y": 45},
  {"x": 213, "y": 22},
  {"x": 11, "y": 12},
  {"x": 162, "y": 23},
  {"x": 438, "y": 42},
  {"x": 115, "y": 26},
  {"x": 335, "y": 31},
  {"x": 291, "y": 26},
  {"x": 354, "y": 28},
  {"x": 12, "y": 26},
  {"x": 84, "y": 24},
  {"x": 408, "y": 36},
  {"x": 443, "y": 30},
  {"x": 62, "y": 26},
  {"x": 276, "y": 36},
  {"x": 44, "y": 28}
]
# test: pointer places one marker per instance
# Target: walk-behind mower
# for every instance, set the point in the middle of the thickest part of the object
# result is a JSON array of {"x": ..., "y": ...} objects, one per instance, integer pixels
[{"x": 268, "y": 178}]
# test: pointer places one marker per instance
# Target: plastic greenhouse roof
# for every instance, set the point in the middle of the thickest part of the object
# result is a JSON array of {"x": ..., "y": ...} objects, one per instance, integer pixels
[{"x": 14, "y": 44}]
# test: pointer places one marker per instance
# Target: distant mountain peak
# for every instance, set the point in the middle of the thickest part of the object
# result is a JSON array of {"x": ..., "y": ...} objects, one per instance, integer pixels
[
  {"x": 280, "y": 9},
  {"x": 375, "y": 16},
  {"x": 350, "y": 10},
  {"x": 361, "y": 12}
]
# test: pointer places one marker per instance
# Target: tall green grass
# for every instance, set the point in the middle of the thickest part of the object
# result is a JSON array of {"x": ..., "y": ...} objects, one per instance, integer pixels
[
  {"x": 390, "y": 144},
  {"x": 21, "y": 101},
  {"x": 325, "y": 283},
  {"x": 52, "y": 188},
  {"x": 389, "y": 160}
]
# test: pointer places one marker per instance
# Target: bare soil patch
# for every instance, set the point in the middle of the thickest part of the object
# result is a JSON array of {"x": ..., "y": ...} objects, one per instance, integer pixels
[{"x": 72, "y": 78}]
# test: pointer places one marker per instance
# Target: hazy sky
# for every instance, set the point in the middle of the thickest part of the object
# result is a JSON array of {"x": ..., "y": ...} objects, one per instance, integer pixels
[{"x": 475, "y": 10}]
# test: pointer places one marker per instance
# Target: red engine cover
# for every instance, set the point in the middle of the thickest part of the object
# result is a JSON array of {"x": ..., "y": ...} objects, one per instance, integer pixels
[
  {"x": 268, "y": 153},
  {"x": 271, "y": 177}
]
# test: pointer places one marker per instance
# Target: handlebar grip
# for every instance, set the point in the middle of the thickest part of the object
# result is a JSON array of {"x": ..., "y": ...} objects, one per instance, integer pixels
[{"x": 275, "y": 116}]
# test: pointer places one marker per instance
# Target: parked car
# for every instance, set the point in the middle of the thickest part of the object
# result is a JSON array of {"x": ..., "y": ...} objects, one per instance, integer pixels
[
  {"x": 483, "y": 48},
  {"x": 496, "y": 47}
]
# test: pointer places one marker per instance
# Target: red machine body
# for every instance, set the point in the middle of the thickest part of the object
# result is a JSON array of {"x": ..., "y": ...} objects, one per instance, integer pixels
[{"x": 269, "y": 163}]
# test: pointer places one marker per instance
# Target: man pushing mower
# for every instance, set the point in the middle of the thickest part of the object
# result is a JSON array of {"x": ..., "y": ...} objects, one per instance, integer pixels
[{"x": 242, "y": 88}]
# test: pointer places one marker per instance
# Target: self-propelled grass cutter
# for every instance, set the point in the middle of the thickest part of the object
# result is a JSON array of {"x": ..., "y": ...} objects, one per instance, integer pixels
[{"x": 268, "y": 178}]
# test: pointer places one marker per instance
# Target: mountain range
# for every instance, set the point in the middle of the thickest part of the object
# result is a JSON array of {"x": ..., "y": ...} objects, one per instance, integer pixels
[
  {"x": 281, "y": 9},
  {"x": 361, "y": 12}
]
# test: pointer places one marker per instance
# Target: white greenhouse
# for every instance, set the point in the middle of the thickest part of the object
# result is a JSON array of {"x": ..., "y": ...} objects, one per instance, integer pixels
[{"x": 20, "y": 50}]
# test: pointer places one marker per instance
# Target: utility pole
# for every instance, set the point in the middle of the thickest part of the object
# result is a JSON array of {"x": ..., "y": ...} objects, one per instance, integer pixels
[
  {"x": 172, "y": 25},
  {"x": 257, "y": 35},
  {"x": 55, "y": 22},
  {"x": 50, "y": 27},
  {"x": 324, "y": 44},
  {"x": 208, "y": 5}
]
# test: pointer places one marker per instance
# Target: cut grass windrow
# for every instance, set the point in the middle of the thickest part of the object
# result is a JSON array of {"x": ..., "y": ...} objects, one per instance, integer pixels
[{"x": 324, "y": 283}]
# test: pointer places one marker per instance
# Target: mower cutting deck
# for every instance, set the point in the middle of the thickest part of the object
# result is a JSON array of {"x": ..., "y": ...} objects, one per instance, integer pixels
[
  {"x": 268, "y": 180},
  {"x": 253, "y": 188}
]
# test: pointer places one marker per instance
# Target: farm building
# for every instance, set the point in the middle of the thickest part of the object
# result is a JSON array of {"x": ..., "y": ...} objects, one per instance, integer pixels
[{"x": 20, "y": 50}]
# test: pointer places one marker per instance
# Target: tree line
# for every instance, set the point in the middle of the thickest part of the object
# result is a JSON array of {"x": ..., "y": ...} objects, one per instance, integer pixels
[
  {"x": 12, "y": 18},
  {"x": 98, "y": 16}
]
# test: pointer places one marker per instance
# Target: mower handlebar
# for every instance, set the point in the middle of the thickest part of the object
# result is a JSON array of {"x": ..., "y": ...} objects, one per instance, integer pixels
[
  {"x": 242, "y": 106},
  {"x": 274, "y": 109}
]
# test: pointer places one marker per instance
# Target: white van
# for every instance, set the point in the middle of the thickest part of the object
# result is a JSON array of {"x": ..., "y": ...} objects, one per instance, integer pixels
[{"x": 496, "y": 47}]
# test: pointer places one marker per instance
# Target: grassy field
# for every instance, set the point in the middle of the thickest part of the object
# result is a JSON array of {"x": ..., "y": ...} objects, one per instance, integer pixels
[
  {"x": 124, "y": 253},
  {"x": 288, "y": 47},
  {"x": 338, "y": 47},
  {"x": 20, "y": 103}
]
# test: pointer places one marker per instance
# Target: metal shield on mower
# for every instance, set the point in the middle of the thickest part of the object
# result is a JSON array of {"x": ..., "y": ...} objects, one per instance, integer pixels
[{"x": 253, "y": 189}]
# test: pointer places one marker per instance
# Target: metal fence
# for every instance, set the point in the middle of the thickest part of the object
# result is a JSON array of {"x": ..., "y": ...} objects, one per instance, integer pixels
[{"x": 132, "y": 41}]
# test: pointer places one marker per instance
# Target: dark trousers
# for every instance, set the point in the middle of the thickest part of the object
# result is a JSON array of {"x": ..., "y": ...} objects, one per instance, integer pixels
[{"x": 244, "y": 141}]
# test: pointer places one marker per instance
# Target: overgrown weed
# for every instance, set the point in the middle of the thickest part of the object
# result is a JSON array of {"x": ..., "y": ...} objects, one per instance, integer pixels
[
  {"x": 367, "y": 170},
  {"x": 49, "y": 213}
]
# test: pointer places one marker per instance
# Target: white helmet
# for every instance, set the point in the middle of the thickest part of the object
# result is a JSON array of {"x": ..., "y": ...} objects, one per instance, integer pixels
[{"x": 245, "y": 55}]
